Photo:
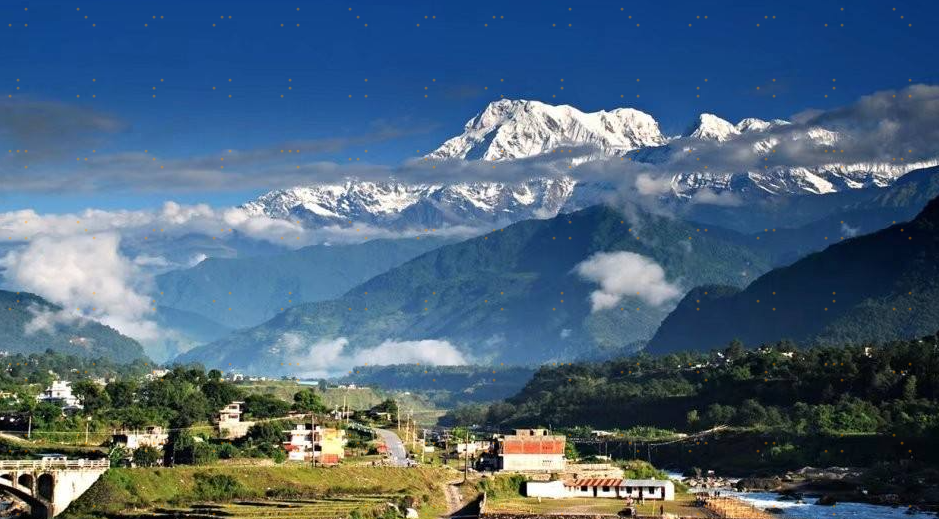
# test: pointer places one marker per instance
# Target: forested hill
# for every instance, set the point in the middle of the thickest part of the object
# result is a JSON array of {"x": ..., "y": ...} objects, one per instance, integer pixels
[
  {"x": 833, "y": 390},
  {"x": 513, "y": 295},
  {"x": 30, "y": 324},
  {"x": 446, "y": 385},
  {"x": 878, "y": 287}
]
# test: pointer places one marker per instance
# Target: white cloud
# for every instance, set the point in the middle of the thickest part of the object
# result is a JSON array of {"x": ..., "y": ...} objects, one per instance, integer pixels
[
  {"x": 622, "y": 274},
  {"x": 849, "y": 231},
  {"x": 333, "y": 356},
  {"x": 174, "y": 220},
  {"x": 47, "y": 320},
  {"x": 88, "y": 277}
]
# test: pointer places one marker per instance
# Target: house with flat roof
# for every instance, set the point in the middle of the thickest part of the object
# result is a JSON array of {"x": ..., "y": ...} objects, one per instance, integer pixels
[
  {"x": 530, "y": 450},
  {"x": 230, "y": 424},
  {"x": 635, "y": 489},
  {"x": 318, "y": 444},
  {"x": 131, "y": 439}
]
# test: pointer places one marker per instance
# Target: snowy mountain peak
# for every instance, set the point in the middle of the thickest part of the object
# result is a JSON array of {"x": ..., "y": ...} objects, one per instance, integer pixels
[
  {"x": 752, "y": 124},
  {"x": 513, "y": 129},
  {"x": 710, "y": 127}
]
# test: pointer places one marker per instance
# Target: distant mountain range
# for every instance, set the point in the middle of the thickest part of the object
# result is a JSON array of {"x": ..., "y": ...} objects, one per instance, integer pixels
[
  {"x": 242, "y": 292},
  {"x": 30, "y": 324},
  {"x": 513, "y": 130},
  {"x": 511, "y": 296},
  {"x": 877, "y": 287}
]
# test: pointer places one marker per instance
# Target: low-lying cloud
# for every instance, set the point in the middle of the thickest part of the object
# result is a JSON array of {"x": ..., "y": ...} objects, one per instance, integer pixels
[
  {"x": 334, "y": 356},
  {"x": 626, "y": 274},
  {"x": 88, "y": 277}
]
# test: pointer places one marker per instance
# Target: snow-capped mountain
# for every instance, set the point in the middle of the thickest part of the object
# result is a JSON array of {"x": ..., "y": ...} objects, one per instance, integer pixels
[
  {"x": 398, "y": 205},
  {"x": 515, "y": 129},
  {"x": 710, "y": 127},
  {"x": 520, "y": 129}
]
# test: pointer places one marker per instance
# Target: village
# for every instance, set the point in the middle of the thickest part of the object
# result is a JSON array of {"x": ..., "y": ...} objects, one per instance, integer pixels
[{"x": 490, "y": 473}]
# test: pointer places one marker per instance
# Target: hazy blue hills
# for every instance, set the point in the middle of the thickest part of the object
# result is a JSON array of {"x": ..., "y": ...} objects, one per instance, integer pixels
[
  {"x": 878, "y": 287},
  {"x": 509, "y": 296},
  {"x": 30, "y": 324},
  {"x": 240, "y": 292}
]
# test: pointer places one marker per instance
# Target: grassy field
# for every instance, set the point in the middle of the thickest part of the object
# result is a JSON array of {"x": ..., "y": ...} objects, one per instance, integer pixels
[
  {"x": 358, "y": 399},
  {"x": 121, "y": 491},
  {"x": 329, "y": 508},
  {"x": 682, "y": 506}
]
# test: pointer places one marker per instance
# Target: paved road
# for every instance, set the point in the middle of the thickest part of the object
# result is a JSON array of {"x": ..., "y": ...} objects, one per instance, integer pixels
[{"x": 396, "y": 452}]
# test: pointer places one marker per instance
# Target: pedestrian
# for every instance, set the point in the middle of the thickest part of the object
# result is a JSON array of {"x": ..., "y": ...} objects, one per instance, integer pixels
[{"x": 662, "y": 510}]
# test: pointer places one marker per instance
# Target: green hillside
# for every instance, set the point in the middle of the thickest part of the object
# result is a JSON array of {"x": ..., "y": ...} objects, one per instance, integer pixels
[
  {"x": 509, "y": 296},
  {"x": 240, "y": 292},
  {"x": 84, "y": 338},
  {"x": 877, "y": 287}
]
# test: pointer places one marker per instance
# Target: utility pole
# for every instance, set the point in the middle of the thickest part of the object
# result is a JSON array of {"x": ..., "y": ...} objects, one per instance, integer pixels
[
  {"x": 29, "y": 430},
  {"x": 398, "y": 413},
  {"x": 87, "y": 421},
  {"x": 423, "y": 443},
  {"x": 313, "y": 437},
  {"x": 465, "y": 455}
]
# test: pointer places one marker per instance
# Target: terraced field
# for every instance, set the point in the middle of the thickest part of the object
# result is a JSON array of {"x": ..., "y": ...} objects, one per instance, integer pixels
[{"x": 327, "y": 508}]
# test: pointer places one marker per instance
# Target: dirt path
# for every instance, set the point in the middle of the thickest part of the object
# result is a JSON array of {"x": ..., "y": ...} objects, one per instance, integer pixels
[{"x": 454, "y": 498}]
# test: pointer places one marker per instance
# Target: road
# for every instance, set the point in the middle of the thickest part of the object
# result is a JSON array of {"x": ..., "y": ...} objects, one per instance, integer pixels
[{"x": 396, "y": 452}]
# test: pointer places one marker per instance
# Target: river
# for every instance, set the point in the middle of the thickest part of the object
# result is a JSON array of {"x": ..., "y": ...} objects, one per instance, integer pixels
[{"x": 809, "y": 510}]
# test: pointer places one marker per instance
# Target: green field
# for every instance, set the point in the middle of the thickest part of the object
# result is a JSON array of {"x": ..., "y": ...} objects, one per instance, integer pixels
[
  {"x": 681, "y": 506},
  {"x": 159, "y": 490},
  {"x": 329, "y": 508},
  {"x": 359, "y": 399}
]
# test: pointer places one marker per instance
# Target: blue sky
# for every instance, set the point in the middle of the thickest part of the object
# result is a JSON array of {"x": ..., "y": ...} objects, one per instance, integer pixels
[{"x": 461, "y": 55}]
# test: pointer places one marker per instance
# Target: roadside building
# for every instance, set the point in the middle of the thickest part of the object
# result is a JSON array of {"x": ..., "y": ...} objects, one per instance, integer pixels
[
  {"x": 60, "y": 394},
  {"x": 472, "y": 448},
  {"x": 230, "y": 424},
  {"x": 635, "y": 489},
  {"x": 308, "y": 443},
  {"x": 530, "y": 450},
  {"x": 131, "y": 439}
]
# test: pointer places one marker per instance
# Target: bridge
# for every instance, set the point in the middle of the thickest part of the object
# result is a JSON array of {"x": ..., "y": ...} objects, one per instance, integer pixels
[{"x": 49, "y": 486}]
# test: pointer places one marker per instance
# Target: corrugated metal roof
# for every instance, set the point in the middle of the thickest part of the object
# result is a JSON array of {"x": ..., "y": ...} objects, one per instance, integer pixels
[{"x": 613, "y": 482}]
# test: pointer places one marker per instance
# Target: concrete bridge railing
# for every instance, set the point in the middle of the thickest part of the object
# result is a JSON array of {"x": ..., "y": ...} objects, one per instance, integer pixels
[{"x": 49, "y": 486}]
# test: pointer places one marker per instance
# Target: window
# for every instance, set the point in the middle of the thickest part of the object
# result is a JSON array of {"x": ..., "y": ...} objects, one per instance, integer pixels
[
  {"x": 606, "y": 489},
  {"x": 583, "y": 488}
]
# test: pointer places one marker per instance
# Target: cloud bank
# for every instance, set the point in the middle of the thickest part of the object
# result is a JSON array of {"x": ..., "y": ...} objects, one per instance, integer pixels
[
  {"x": 88, "y": 277},
  {"x": 625, "y": 274},
  {"x": 330, "y": 357}
]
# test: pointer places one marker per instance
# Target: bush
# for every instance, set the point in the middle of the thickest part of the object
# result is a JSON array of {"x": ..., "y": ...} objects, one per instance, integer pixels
[
  {"x": 147, "y": 457},
  {"x": 218, "y": 487},
  {"x": 503, "y": 486}
]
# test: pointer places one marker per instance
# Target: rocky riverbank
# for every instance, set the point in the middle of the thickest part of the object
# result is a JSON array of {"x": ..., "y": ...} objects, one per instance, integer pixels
[{"x": 908, "y": 486}]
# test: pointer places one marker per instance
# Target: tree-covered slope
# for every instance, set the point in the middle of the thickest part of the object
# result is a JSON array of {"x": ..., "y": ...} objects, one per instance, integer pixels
[
  {"x": 878, "y": 287},
  {"x": 240, "y": 292},
  {"x": 509, "y": 296},
  {"x": 30, "y": 324}
]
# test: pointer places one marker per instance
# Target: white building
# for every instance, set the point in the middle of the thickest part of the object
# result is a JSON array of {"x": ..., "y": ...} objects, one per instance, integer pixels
[
  {"x": 60, "y": 393},
  {"x": 636, "y": 489},
  {"x": 153, "y": 436}
]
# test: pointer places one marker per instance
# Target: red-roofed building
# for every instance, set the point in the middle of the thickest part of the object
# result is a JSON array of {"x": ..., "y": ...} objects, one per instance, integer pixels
[
  {"x": 530, "y": 450},
  {"x": 638, "y": 489}
]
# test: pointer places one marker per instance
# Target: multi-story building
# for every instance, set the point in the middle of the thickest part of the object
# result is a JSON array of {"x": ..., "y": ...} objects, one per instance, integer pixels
[
  {"x": 310, "y": 443},
  {"x": 530, "y": 450},
  {"x": 60, "y": 394},
  {"x": 230, "y": 424}
]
